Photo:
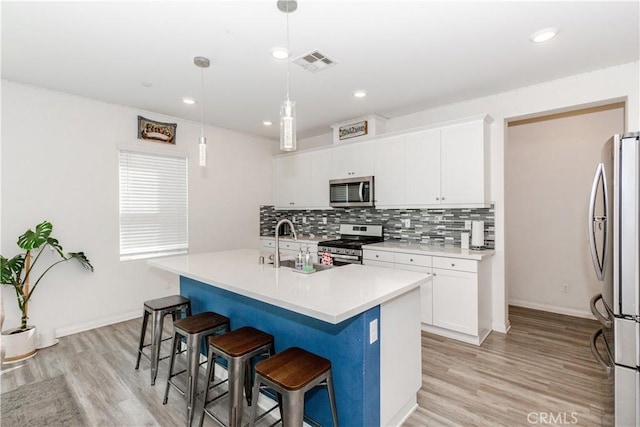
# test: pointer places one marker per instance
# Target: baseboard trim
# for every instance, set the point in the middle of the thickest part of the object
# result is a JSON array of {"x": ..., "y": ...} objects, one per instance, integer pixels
[
  {"x": 469, "y": 339},
  {"x": 553, "y": 309},
  {"x": 405, "y": 412},
  {"x": 106, "y": 321},
  {"x": 501, "y": 328}
]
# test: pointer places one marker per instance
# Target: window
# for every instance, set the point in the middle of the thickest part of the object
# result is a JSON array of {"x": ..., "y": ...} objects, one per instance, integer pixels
[{"x": 153, "y": 205}]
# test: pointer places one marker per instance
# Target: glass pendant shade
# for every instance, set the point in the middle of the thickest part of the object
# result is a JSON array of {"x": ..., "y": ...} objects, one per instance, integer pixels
[
  {"x": 202, "y": 144},
  {"x": 288, "y": 126}
]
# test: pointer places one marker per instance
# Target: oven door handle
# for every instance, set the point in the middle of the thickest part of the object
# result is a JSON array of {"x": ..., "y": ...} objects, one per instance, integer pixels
[
  {"x": 606, "y": 322},
  {"x": 608, "y": 366},
  {"x": 338, "y": 257}
]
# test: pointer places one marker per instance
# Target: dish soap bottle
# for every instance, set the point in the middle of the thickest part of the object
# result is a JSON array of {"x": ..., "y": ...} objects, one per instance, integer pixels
[
  {"x": 308, "y": 261},
  {"x": 299, "y": 260}
]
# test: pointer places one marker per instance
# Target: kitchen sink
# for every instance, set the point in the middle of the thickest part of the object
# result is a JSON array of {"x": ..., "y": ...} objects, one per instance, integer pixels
[{"x": 291, "y": 263}]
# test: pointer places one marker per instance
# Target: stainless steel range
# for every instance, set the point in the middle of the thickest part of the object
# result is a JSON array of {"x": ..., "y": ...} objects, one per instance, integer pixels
[{"x": 348, "y": 248}]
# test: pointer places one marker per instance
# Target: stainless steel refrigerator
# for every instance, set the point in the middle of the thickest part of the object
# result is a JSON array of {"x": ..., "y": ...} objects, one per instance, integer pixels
[{"x": 614, "y": 231}]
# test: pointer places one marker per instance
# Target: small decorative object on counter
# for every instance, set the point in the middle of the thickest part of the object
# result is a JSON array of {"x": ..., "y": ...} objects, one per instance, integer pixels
[
  {"x": 308, "y": 261},
  {"x": 464, "y": 240},
  {"x": 299, "y": 260},
  {"x": 326, "y": 259}
]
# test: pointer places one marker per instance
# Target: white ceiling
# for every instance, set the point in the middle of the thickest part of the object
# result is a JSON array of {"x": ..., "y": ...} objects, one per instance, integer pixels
[{"x": 408, "y": 55}]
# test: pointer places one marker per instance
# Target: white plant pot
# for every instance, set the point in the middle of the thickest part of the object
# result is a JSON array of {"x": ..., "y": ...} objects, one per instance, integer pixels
[{"x": 18, "y": 346}]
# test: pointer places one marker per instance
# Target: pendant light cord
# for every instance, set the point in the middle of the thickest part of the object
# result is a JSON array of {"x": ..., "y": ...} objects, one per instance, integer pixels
[
  {"x": 202, "y": 109},
  {"x": 289, "y": 49}
]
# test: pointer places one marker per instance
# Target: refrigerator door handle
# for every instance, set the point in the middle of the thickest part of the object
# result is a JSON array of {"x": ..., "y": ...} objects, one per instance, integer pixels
[
  {"x": 608, "y": 366},
  {"x": 598, "y": 223},
  {"x": 606, "y": 322}
]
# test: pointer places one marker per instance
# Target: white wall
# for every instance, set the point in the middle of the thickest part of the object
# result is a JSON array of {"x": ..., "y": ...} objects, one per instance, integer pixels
[
  {"x": 549, "y": 166},
  {"x": 59, "y": 162},
  {"x": 594, "y": 88}
]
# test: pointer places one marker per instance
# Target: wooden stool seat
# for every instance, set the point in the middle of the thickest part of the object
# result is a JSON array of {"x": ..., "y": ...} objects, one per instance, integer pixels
[
  {"x": 291, "y": 373},
  {"x": 165, "y": 303},
  {"x": 293, "y": 368},
  {"x": 241, "y": 341},
  {"x": 200, "y": 322}
]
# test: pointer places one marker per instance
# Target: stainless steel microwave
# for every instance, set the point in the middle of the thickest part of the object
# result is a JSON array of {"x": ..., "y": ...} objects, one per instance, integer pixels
[{"x": 351, "y": 192}]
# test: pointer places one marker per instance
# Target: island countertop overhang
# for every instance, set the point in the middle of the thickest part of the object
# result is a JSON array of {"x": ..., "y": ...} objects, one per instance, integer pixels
[{"x": 332, "y": 296}]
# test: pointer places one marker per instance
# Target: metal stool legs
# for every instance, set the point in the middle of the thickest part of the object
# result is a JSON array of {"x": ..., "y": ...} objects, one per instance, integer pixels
[
  {"x": 193, "y": 329},
  {"x": 238, "y": 348},
  {"x": 158, "y": 309}
]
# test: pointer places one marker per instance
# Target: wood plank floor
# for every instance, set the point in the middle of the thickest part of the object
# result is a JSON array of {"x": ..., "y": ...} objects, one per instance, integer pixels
[
  {"x": 543, "y": 366},
  {"x": 541, "y": 373}
]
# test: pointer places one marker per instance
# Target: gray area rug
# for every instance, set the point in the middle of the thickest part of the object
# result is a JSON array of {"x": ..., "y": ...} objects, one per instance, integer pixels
[{"x": 48, "y": 402}]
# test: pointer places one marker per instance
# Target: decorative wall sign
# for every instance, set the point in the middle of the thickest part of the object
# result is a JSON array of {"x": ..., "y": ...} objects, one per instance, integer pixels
[
  {"x": 353, "y": 130},
  {"x": 156, "y": 131}
]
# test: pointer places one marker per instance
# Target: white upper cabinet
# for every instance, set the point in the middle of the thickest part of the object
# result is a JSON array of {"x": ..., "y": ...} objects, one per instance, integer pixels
[
  {"x": 302, "y": 180},
  {"x": 320, "y": 176},
  {"x": 292, "y": 178},
  {"x": 389, "y": 179},
  {"x": 464, "y": 164},
  {"x": 352, "y": 161},
  {"x": 445, "y": 166},
  {"x": 422, "y": 168}
]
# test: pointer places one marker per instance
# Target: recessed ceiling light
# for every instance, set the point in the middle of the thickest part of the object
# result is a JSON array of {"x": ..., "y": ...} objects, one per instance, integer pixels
[
  {"x": 280, "y": 53},
  {"x": 188, "y": 101},
  {"x": 267, "y": 123},
  {"x": 146, "y": 84},
  {"x": 360, "y": 93},
  {"x": 543, "y": 35}
]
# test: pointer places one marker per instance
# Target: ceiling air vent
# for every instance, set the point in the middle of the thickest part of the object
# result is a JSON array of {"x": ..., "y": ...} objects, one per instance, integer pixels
[{"x": 314, "y": 61}]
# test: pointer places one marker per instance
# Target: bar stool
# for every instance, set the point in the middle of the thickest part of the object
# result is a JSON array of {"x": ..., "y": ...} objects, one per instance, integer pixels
[
  {"x": 176, "y": 305},
  {"x": 238, "y": 348},
  {"x": 292, "y": 373},
  {"x": 194, "y": 329}
]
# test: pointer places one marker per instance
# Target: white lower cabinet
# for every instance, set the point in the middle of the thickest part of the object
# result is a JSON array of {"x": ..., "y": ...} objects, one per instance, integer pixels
[
  {"x": 405, "y": 261},
  {"x": 457, "y": 301}
]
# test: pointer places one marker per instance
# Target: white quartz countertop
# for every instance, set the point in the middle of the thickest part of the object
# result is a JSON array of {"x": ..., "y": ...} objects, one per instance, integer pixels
[
  {"x": 418, "y": 249},
  {"x": 332, "y": 295}
]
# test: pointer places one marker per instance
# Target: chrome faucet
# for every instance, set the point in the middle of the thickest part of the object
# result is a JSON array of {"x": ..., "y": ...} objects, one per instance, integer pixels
[{"x": 276, "y": 256}]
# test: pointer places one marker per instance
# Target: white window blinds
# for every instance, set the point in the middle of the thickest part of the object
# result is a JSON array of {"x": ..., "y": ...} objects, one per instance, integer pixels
[{"x": 153, "y": 205}]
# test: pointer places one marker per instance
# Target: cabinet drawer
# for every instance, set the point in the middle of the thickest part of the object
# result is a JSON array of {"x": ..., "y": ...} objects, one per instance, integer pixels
[
  {"x": 418, "y": 268},
  {"x": 411, "y": 259},
  {"x": 267, "y": 244},
  {"x": 291, "y": 246},
  {"x": 456, "y": 264},
  {"x": 375, "y": 263},
  {"x": 377, "y": 255}
]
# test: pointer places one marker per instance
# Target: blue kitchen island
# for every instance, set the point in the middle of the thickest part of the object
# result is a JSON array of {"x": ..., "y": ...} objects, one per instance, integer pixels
[{"x": 365, "y": 319}]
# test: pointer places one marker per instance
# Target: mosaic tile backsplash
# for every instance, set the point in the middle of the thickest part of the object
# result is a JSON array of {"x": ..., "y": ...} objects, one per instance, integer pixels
[{"x": 438, "y": 227}]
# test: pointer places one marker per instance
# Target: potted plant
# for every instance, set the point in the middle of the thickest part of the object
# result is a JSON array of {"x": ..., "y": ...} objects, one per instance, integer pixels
[{"x": 19, "y": 343}]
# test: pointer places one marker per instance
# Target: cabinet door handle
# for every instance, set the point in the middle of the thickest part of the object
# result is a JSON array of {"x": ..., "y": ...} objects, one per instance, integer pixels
[
  {"x": 437, "y": 198},
  {"x": 434, "y": 274},
  {"x": 443, "y": 198},
  {"x": 410, "y": 259},
  {"x": 377, "y": 256},
  {"x": 453, "y": 265}
]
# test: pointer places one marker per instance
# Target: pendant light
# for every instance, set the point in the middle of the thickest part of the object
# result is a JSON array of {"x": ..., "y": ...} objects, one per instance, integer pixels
[
  {"x": 202, "y": 63},
  {"x": 288, "y": 107}
]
